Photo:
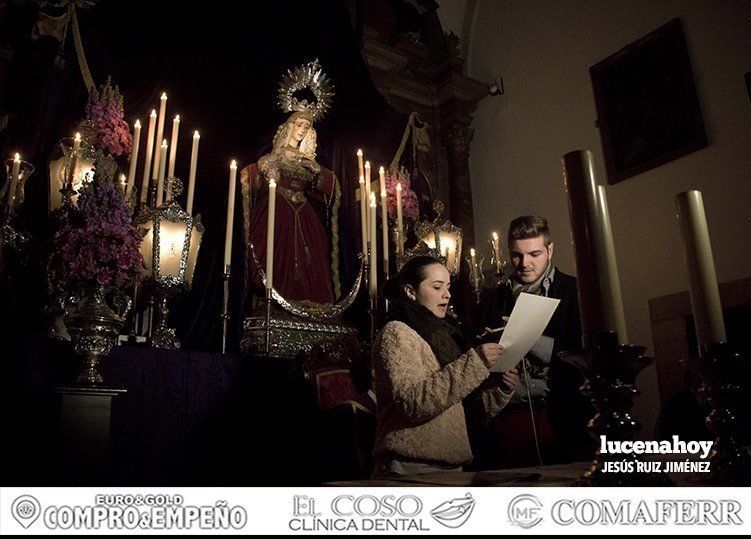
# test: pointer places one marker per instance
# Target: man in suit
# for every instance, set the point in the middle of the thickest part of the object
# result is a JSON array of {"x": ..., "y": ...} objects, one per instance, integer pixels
[{"x": 548, "y": 385}]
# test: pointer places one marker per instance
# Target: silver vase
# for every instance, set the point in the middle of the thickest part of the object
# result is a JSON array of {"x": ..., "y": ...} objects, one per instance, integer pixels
[{"x": 93, "y": 328}]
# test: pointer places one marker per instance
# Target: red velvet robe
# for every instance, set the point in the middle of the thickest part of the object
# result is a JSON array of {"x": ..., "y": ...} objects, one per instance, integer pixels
[{"x": 302, "y": 248}]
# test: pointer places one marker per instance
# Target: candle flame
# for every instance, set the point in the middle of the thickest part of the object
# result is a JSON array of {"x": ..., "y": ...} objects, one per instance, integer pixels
[
  {"x": 399, "y": 186},
  {"x": 177, "y": 117},
  {"x": 495, "y": 236},
  {"x": 78, "y": 137},
  {"x": 367, "y": 164},
  {"x": 138, "y": 123},
  {"x": 471, "y": 252},
  {"x": 196, "y": 135},
  {"x": 122, "y": 178},
  {"x": 381, "y": 170},
  {"x": 372, "y": 200},
  {"x": 164, "y": 95},
  {"x": 18, "y": 157},
  {"x": 164, "y": 143},
  {"x": 153, "y": 113},
  {"x": 359, "y": 153},
  {"x": 233, "y": 164},
  {"x": 272, "y": 182}
]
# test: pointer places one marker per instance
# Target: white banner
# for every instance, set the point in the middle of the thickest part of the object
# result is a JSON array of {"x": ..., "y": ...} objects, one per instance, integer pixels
[{"x": 433, "y": 510}]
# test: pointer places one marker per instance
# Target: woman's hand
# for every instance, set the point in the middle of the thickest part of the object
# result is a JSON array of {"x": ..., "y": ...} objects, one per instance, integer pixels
[
  {"x": 490, "y": 353},
  {"x": 512, "y": 381}
]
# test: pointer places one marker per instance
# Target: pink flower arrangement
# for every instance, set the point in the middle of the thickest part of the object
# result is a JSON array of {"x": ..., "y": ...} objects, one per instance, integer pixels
[
  {"x": 108, "y": 130},
  {"x": 97, "y": 244},
  {"x": 410, "y": 206}
]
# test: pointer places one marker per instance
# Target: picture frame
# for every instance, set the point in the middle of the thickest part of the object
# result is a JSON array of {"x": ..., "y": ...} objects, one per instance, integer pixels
[{"x": 647, "y": 105}]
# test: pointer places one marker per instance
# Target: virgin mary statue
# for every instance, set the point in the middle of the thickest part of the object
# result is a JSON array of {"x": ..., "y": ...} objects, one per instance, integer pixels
[{"x": 306, "y": 235}]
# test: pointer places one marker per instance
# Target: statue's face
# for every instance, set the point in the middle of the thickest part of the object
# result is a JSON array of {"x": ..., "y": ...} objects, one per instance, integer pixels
[{"x": 299, "y": 130}]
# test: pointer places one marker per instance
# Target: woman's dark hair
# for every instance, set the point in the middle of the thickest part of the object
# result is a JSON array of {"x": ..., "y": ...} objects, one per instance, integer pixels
[{"x": 412, "y": 273}]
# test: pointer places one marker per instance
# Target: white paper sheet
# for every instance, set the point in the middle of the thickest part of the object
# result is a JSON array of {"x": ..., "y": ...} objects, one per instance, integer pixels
[{"x": 528, "y": 320}]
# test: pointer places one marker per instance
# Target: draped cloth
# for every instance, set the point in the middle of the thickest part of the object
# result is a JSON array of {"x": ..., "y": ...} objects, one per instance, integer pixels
[{"x": 302, "y": 245}]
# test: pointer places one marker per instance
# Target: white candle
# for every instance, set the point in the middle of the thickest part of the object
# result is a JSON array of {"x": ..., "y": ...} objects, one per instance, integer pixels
[
  {"x": 399, "y": 219},
  {"x": 173, "y": 147},
  {"x": 373, "y": 248},
  {"x": 384, "y": 234},
  {"x": 230, "y": 213},
  {"x": 160, "y": 181},
  {"x": 705, "y": 294},
  {"x": 134, "y": 156},
  {"x": 360, "y": 169},
  {"x": 74, "y": 158},
  {"x": 159, "y": 132},
  {"x": 270, "y": 236},
  {"x": 473, "y": 263},
  {"x": 363, "y": 217},
  {"x": 601, "y": 306},
  {"x": 496, "y": 247},
  {"x": 147, "y": 159},
  {"x": 368, "y": 190},
  {"x": 14, "y": 176},
  {"x": 193, "y": 167}
]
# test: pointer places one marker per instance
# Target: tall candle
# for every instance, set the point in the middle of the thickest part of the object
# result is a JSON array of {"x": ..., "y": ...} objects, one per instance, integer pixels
[
  {"x": 704, "y": 292},
  {"x": 473, "y": 263},
  {"x": 160, "y": 180},
  {"x": 270, "y": 235},
  {"x": 363, "y": 217},
  {"x": 399, "y": 219},
  {"x": 160, "y": 132},
  {"x": 384, "y": 234},
  {"x": 173, "y": 147},
  {"x": 230, "y": 213},
  {"x": 147, "y": 159},
  {"x": 134, "y": 156},
  {"x": 192, "y": 176},
  {"x": 373, "y": 248},
  {"x": 599, "y": 298},
  {"x": 74, "y": 159},
  {"x": 496, "y": 247},
  {"x": 15, "y": 172},
  {"x": 360, "y": 169}
]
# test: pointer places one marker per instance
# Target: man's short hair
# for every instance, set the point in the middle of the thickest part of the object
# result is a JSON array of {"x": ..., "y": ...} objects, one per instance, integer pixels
[{"x": 527, "y": 227}]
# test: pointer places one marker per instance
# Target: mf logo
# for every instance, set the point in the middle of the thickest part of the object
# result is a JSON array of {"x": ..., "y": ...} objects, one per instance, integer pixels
[{"x": 525, "y": 511}]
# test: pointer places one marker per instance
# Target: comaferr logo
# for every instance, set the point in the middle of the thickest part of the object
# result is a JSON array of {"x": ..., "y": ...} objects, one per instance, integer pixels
[{"x": 650, "y": 513}]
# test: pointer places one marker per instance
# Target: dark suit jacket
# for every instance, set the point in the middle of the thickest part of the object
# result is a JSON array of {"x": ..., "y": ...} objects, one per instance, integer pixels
[{"x": 568, "y": 410}]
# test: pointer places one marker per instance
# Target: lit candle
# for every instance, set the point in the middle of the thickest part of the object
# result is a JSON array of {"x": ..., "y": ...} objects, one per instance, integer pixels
[
  {"x": 192, "y": 176},
  {"x": 147, "y": 159},
  {"x": 360, "y": 169},
  {"x": 230, "y": 213},
  {"x": 159, "y": 132},
  {"x": 160, "y": 181},
  {"x": 134, "y": 156},
  {"x": 173, "y": 147},
  {"x": 363, "y": 217},
  {"x": 74, "y": 158},
  {"x": 705, "y": 294},
  {"x": 399, "y": 219},
  {"x": 270, "y": 236},
  {"x": 373, "y": 248},
  {"x": 601, "y": 306},
  {"x": 473, "y": 263},
  {"x": 14, "y": 176},
  {"x": 123, "y": 183},
  {"x": 496, "y": 247}
]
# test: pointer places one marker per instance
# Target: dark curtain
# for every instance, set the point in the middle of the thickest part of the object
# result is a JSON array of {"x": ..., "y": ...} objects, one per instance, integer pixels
[{"x": 220, "y": 65}]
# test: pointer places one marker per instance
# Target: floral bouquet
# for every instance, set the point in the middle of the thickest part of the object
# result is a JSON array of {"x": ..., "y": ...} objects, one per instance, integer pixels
[
  {"x": 104, "y": 126},
  {"x": 410, "y": 206},
  {"x": 97, "y": 245}
]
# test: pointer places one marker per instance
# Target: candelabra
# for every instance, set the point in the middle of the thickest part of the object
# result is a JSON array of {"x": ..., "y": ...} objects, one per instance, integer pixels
[{"x": 476, "y": 276}]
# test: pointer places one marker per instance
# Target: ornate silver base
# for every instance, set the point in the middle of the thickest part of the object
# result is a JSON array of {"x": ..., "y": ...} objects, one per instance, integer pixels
[
  {"x": 287, "y": 338},
  {"x": 93, "y": 328},
  {"x": 165, "y": 338}
]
